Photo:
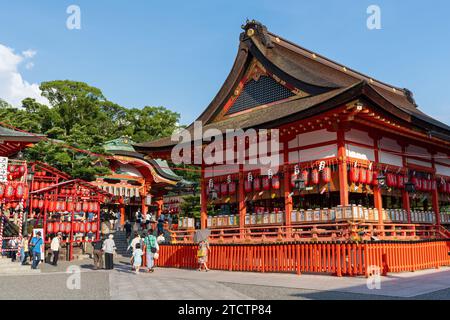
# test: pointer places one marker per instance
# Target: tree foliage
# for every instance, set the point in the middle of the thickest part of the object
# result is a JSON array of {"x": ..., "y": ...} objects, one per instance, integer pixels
[{"x": 79, "y": 115}]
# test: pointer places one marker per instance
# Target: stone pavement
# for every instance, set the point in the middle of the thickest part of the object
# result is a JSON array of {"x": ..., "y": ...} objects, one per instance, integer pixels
[{"x": 167, "y": 283}]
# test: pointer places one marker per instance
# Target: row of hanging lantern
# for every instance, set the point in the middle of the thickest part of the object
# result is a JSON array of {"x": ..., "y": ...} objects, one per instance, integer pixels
[
  {"x": 311, "y": 176},
  {"x": 66, "y": 227},
  {"x": 14, "y": 190},
  {"x": 62, "y": 205},
  {"x": 16, "y": 171}
]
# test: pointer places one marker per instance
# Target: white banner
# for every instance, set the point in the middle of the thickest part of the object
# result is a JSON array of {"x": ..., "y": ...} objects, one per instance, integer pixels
[{"x": 3, "y": 169}]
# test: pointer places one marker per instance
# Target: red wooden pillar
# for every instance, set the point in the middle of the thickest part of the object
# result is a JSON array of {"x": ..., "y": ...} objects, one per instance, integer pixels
[
  {"x": 287, "y": 191},
  {"x": 405, "y": 195},
  {"x": 377, "y": 200},
  {"x": 122, "y": 210},
  {"x": 159, "y": 204},
  {"x": 435, "y": 195},
  {"x": 342, "y": 160},
  {"x": 242, "y": 209},
  {"x": 203, "y": 200},
  {"x": 144, "y": 208}
]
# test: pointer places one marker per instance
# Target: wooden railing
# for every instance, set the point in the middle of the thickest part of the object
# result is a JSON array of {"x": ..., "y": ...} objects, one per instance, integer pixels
[
  {"x": 342, "y": 231},
  {"x": 336, "y": 258}
]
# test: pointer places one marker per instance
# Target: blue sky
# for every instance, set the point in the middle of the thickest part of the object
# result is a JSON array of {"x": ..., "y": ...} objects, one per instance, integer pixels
[{"x": 178, "y": 53}]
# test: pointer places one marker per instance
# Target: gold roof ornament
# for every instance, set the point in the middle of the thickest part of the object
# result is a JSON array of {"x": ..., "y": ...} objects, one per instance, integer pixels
[{"x": 250, "y": 32}]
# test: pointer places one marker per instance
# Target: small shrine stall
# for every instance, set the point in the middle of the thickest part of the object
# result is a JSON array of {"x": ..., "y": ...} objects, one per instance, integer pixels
[
  {"x": 135, "y": 182},
  {"x": 14, "y": 188},
  {"x": 73, "y": 208}
]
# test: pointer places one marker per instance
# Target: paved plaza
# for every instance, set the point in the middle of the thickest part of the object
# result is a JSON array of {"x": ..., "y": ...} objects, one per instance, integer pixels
[{"x": 166, "y": 284}]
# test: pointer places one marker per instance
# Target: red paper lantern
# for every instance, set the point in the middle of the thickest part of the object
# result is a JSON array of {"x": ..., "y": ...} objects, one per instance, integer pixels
[
  {"x": 391, "y": 180},
  {"x": 82, "y": 227},
  {"x": 223, "y": 188},
  {"x": 56, "y": 227},
  {"x": 76, "y": 227},
  {"x": 433, "y": 185},
  {"x": 293, "y": 178},
  {"x": 276, "y": 182},
  {"x": 257, "y": 184},
  {"x": 369, "y": 177},
  {"x": 40, "y": 204},
  {"x": 315, "y": 176},
  {"x": 232, "y": 188},
  {"x": 22, "y": 170},
  {"x": 265, "y": 183},
  {"x": 51, "y": 205},
  {"x": 9, "y": 191},
  {"x": 70, "y": 206},
  {"x": 305, "y": 176},
  {"x": 247, "y": 186},
  {"x": 49, "y": 227},
  {"x": 85, "y": 206},
  {"x": 417, "y": 183},
  {"x": 362, "y": 175},
  {"x": 35, "y": 185},
  {"x": 78, "y": 205},
  {"x": 87, "y": 227},
  {"x": 326, "y": 175},
  {"x": 67, "y": 227},
  {"x": 35, "y": 202},
  {"x": 18, "y": 194},
  {"x": 354, "y": 175},
  {"x": 2, "y": 190},
  {"x": 62, "y": 227},
  {"x": 94, "y": 226}
]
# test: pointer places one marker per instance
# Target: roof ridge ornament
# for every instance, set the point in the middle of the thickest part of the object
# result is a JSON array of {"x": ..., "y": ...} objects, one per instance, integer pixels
[
  {"x": 253, "y": 27},
  {"x": 410, "y": 97}
]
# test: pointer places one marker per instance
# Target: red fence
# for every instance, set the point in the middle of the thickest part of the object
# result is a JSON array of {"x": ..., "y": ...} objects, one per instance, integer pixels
[{"x": 338, "y": 258}]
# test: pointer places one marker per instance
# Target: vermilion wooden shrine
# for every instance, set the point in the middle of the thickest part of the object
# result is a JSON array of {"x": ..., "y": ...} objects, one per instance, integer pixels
[
  {"x": 71, "y": 207},
  {"x": 358, "y": 157}
]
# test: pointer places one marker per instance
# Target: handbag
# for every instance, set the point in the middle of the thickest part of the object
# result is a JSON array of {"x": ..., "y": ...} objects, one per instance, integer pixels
[{"x": 153, "y": 250}]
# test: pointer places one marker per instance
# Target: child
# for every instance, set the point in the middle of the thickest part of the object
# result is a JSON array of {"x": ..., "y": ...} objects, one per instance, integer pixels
[{"x": 137, "y": 257}]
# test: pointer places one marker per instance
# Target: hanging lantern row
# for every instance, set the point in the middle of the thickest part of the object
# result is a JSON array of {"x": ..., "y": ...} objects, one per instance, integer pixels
[
  {"x": 53, "y": 205},
  {"x": 65, "y": 227},
  {"x": 16, "y": 171},
  {"x": 311, "y": 178},
  {"x": 14, "y": 191},
  {"x": 363, "y": 176},
  {"x": 444, "y": 186}
]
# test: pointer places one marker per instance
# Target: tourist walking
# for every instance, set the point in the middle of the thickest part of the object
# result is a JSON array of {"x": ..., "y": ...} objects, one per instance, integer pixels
[
  {"x": 98, "y": 254},
  {"x": 136, "y": 240},
  {"x": 137, "y": 258},
  {"x": 118, "y": 217},
  {"x": 25, "y": 250},
  {"x": 202, "y": 254},
  {"x": 55, "y": 246},
  {"x": 151, "y": 250},
  {"x": 109, "y": 247},
  {"x": 36, "y": 246},
  {"x": 13, "y": 247}
]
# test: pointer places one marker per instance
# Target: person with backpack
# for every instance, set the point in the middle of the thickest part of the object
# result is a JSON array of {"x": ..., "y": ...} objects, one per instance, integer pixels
[
  {"x": 36, "y": 246},
  {"x": 151, "y": 251}
]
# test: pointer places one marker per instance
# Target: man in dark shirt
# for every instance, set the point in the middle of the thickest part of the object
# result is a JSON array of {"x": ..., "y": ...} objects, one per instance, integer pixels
[
  {"x": 98, "y": 254},
  {"x": 127, "y": 228}
]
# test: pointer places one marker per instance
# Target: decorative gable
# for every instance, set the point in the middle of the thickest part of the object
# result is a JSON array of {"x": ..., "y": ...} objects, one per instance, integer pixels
[{"x": 258, "y": 92}]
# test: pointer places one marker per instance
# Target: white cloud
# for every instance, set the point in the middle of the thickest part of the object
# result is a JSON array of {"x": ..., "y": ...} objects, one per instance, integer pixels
[
  {"x": 13, "y": 88},
  {"x": 29, "y": 53}
]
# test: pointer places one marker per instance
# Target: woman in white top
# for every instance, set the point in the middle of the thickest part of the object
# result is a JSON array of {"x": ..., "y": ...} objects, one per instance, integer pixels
[{"x": 109, "y": 247}]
